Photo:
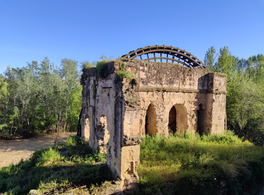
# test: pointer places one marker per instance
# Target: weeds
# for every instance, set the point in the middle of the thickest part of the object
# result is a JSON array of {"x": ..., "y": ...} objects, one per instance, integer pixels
[
  {"x": 190, "y": 164},
  {"x": 123, "y": 73},
  {"x": 57, "y": 169}
]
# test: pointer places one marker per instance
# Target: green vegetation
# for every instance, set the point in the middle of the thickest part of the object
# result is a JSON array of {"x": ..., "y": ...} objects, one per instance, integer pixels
[
  {"x": 39, "y": 98},
  {"x": 102, "y": 68},
  {"x": 124, "y": 73},
  {"x": 245, "y": 87},
  {"x": 190, "y": 164},
  {"x": 58, "y": 169}
]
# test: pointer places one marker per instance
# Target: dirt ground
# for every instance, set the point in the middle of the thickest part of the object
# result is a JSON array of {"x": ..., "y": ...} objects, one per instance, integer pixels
[{"x": 12, "y": 151}]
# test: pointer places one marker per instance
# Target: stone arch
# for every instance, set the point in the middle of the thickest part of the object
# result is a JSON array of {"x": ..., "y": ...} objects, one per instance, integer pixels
[
  {"x": 150, "y": 121},
  {"x": 201, "y": 120},
  {"x": 102, "y": 134},
  {"x": 172, "y": 120},
  {"x": 86, "y": 127},
  {"x": 177, "y": 119}
]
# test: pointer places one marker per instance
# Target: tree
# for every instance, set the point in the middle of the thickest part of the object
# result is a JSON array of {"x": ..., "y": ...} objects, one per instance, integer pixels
[{"x": 210, "y": 58}]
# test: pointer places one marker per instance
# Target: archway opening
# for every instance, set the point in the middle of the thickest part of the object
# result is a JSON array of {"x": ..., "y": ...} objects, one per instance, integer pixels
[
  {"x": 200, "y": 120},
  {"x": 102, "y": 134},
  {"x": 150, "y": 121},
  {"x": 177, "y": 119},
  {"x": 86, "y": 127},
  {"x": 172, "y": 120}
]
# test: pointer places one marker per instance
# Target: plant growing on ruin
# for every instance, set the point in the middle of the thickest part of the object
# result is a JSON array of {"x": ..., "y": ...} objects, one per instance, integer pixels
[
  {"x": 94, "y": 90},
  {"x": 102, "y": 68},
  {"x": 123, "y": 73}
]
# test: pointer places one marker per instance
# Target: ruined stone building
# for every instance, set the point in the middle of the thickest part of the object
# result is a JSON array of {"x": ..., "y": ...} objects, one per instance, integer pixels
[{"x": 164, "y": 91}]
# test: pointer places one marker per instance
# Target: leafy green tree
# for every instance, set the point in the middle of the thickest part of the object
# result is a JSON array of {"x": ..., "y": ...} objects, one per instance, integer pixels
[
  {"x": 210, "y": 58},
  {"x": 75, "y": 104},
  {"x": 38, "y": 97},
  {"x": 71, "y": 81}
]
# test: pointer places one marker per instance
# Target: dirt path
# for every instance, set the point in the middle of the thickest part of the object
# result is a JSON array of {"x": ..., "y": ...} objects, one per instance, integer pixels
[{"x": 12, "y": 151}]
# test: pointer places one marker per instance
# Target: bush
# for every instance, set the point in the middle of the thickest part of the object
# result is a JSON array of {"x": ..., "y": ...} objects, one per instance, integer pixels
[{"x": 102, "y": 68}]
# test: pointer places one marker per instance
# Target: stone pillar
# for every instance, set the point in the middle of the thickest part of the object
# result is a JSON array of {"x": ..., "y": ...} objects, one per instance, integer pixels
[{"x": 218, "y": 98}]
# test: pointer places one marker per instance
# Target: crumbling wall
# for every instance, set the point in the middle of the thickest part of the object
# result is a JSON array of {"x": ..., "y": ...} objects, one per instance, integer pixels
[
  {"x": 102, "y": 104},
  {"x": 118, "y": 111},
  {"x": 165, "y": 86}
]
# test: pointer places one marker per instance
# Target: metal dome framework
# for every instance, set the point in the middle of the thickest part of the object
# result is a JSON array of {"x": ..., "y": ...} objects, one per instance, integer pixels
[{"x": 167, "y": 53}]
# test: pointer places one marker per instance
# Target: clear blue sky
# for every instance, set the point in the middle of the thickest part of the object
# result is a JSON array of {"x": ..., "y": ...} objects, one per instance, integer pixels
[{"x": 86, "y": 29}]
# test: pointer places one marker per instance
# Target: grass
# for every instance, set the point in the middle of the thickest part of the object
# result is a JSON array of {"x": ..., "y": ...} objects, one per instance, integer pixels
[
  {"x": 178, "y": 164},
  {"x": 57, "y": 169},
  {"x": 193, "y": 164}
]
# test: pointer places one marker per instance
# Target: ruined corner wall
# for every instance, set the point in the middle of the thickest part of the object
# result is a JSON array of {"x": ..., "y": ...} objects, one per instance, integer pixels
[{"x": 103, "y": 112}]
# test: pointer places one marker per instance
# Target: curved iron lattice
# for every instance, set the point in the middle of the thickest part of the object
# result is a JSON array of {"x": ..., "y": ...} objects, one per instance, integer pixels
[{"x": 177, "y": 55}]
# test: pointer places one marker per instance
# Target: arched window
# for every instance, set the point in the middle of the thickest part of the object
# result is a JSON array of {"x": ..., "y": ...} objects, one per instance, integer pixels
[
  {"x": 200, "y": 120},
  {"x": 172, "y": 120}
]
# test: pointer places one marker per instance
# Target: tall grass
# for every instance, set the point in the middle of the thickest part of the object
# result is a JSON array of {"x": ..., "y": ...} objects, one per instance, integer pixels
[
  {"x": 50, "y": 172},
  {"x": 188, "y": 163}
]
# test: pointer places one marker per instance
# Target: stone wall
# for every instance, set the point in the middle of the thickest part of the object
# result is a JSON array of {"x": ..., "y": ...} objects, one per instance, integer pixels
[{"x": 162, "y": 99}]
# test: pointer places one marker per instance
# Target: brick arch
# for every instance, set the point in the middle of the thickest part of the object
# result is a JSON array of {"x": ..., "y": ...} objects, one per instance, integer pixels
[{"x": 201, "y": 119}]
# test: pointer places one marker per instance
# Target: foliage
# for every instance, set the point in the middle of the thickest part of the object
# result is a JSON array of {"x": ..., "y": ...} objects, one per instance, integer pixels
[
  {"x": 75, "y": 104},
  {"x": 123, "y": 73},
  {"x": 210, "y": 58},
  {"x": 184, "y": 164},
  {"x": 102, "y": 68},
  {"x": 87, "y": 64},
  {"x": 49, "y": 171},
  {"x": 39, "y": 97},
  {"x": 245, "y": 92},
  {"x": 3, "y": 88}
]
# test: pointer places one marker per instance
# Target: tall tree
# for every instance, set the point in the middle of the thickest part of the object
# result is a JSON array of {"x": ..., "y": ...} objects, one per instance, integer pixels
[{"x": 210, "y": 58}]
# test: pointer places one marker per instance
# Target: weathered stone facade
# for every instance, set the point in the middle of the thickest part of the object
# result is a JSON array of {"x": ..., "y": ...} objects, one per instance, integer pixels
[{"x": 162, "y": 98}]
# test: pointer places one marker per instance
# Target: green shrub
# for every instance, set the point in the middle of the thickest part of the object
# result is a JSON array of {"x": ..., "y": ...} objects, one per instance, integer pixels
[
  {"x": 74, "y": 141},
  {"x": 123, "y": 73},
  {"x": 102, "y": 68}
]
